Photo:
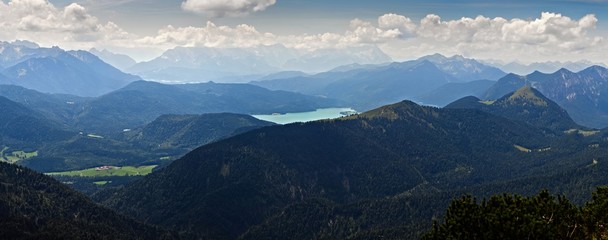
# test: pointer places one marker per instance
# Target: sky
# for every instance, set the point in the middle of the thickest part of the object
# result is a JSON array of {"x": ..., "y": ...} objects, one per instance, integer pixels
[{"x": 524, "y": 31}]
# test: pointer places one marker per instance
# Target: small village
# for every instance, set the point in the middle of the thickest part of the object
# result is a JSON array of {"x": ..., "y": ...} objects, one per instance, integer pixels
[{"x": 104, "y": 168}]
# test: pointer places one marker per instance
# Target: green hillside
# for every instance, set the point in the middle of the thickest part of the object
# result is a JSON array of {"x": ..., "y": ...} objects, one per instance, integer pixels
[
  {"x": 107, "y": 171},
  {"x": 366, "y": 159},
  {"x": 186, "y": 132}
]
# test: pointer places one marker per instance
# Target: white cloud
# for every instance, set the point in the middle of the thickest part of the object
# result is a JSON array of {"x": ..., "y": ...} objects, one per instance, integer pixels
[
  {"x": 393, "y": 21},
  {"x": 480, "y": 36},
  {"x": 222, "y": 8},
  {"x": 366, "y": 32},
  {"x": 550, "y": 36},
  {"x": 390, "y": 26},
  {"x": 41, "y": 21},
  {"x": 210, "y": 36}
]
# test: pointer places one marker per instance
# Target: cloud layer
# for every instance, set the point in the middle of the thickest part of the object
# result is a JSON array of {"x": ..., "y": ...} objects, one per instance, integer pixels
[
  {"x": 549, "y": 36},
  {"x": 210, "y": 35},
  {"x": 552, "y": 33},
  {"x": 222, "y": 8},
  {"x": 40, "y": 21}
]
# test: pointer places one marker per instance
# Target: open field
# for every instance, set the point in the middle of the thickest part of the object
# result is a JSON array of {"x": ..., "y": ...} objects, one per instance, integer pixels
[
  {"x": 101, "y": 183},
  {"x": 108, "y": 171},
  {"x": 15, "y": 156}
]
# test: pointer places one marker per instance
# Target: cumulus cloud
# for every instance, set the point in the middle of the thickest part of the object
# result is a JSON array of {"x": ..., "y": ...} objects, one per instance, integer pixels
[
  {"x": 401, "y": 37},
  {"x": 41, "y": 21},
  {"x": 359, "y": 33},
  {"x": 405, "y": 25},
  {"x": 222, "y": 8},
  {"x": 389, "y": 27},
  {"x": 210, "y": 36},
  {"x": 549, "y": 36}
]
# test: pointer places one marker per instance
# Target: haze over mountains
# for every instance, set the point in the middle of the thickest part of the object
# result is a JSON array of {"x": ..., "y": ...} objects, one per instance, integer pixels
[
  {"x": 219, "y": 173},
  {"x": 141, "y": 102},
  {"x": 60, "y": 147},
  {"x": 449, "y": 92},
  {"x": 434, "y": 79},
  {"x": 387, "y": 83},
  {"x": 22, "y": 126},
  {"x": 279, "y": 119},
  {"x": 545, "y": 67},
  {"x": 53, "y": 70},
  {"x": 120, "y": 61},
  {"x": 216, "y": 64}
]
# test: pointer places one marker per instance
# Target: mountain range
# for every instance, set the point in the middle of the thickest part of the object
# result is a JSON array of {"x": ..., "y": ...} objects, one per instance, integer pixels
[
  {"x": 202, "y": 64},
  {"x": 545, "y": 67},
  {"x": 119, "y": 61},
  {"x": 45, "y": 124},
  {"x": 60, "y": 108},
  {"x": 355, "y": 177},
  {"x": 365, "y": 87},
  {"x": 383, "y": 165},
  {"x": 221, "y": 174},
  {"x": 141, "y": 102},
  {"x": 581, "y": 94},
  {"x": 53, "y": 70},
  {"x": 464, "y": 69}
]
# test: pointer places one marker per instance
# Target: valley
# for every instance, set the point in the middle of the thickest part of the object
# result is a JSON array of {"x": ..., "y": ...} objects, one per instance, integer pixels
[
  {"x": 106, "y": 171},
  {"x": 259, "y": 119},
  {"x": 266, "y": 169},
  {"x": 7, "y": 155}
]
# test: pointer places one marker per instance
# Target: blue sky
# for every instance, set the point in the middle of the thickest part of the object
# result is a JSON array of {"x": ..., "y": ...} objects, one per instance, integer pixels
[
  {"x": 532, "y": 30},
  {"x": 319, "y": 16}
]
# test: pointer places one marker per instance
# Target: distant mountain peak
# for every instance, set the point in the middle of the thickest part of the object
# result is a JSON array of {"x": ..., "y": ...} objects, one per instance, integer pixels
[
  {"x": 439, "y": 58},
  {"x": 25, "y": 43},
  {"x": 535, "y": 73},
  {"x": 84, "y": 56},
  {"x": 464, "y": 69},
  {"x": 434, "y": 57},
  {"x": 55, "y": 70},
  {"x": 545, "y": 67},
  {"x": 513, "y": 75},
  {"x": 564, "y": 70},
  {"x": 597, "y": 67},
  {"x": 426, "y": 64},
  {"x": 602, "y": 71},
  {"x": 458, "y": 57}
]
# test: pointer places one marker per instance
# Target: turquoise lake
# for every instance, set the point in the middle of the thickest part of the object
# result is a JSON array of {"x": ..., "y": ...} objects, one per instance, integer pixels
[{"x": 324, "y": 113}]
